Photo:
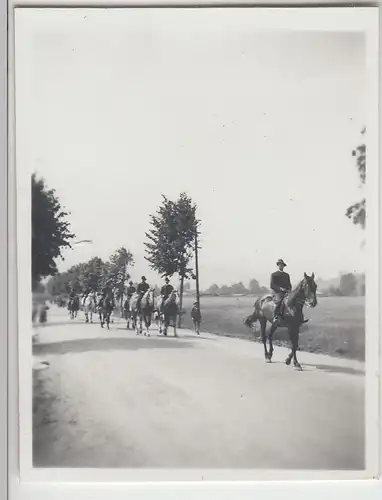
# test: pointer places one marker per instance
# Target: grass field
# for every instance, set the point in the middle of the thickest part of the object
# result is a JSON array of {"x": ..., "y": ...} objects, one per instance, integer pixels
[{"x": 336, "y": 326}]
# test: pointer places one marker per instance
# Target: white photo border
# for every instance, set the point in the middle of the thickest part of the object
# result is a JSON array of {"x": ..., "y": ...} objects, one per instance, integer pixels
[{"x": 191, "y": 485}]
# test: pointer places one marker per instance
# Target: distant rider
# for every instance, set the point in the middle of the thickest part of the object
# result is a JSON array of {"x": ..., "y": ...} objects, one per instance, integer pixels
[
  {"x": 166, "y": 291},
  {"x": 280, "y": 285},
  {"x": 142, "y": 288}
]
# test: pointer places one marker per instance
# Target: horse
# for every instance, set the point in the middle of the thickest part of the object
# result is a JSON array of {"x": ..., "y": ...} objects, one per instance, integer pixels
[
  {"x": 141, "y": 309},
  {"x": 89, "y": 305},
  {"x": 147, "y": 309},
  {"x": 291, "y": 310},
  {"x": 74, "y": 306},
  {"x": 127, "y": 312},
  {"x": 168, "y": 309},
  {"x": 105, "y": 308}
]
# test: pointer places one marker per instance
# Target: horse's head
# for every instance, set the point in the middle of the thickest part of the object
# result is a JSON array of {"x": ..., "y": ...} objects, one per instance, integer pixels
[
  {"x": 310, "y": 288},
  {"x": 174, "y": 297},
  {"x": 149, "y": 297}
]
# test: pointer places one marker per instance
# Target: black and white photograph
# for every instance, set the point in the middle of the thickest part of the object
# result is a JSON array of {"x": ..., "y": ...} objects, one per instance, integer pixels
[{"x": 194, "y": 202}]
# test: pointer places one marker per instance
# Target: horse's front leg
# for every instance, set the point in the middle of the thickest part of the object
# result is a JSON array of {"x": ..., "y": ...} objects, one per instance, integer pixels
[
  {"x": 148, "y": 324},
  {"x": 295, "y": 347},
  {"x": 270, "y": 338},
  {"x": 136, "y": 324},
  {"x": 293, "y": 331},
  {"x": 175, "y": 334}
]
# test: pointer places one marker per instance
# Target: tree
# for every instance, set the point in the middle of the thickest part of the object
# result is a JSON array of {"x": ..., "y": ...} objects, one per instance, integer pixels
[
  {"x": 348, "y": 284},
  {"x": 213, "y": 289},
  {"x": 225, "y": 290},
  {"x": 254, "y": 287},
  {"x": 357, "y": 211},
  {"x": 94, "y": 274},
  {"x": 50, "y": 230},
  {"x": 118, "y": 271},
  {"x": 238, "y": 289},
  {"x": 171, "y": 240}
]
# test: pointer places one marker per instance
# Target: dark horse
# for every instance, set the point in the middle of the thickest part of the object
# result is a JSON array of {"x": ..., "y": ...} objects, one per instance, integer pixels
[
  {"x": 105, "y": 308},
  {"x": 74, "y": 306},
  {"x": 169, "y": 309},
  {"x": 291, "y": 310}
]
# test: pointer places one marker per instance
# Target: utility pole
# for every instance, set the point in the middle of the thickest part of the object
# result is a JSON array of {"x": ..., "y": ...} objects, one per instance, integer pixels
[{"x": 197, "y": 268}]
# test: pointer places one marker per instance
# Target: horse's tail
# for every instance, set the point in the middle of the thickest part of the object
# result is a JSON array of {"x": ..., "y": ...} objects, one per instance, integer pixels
[{"x": 252, "y": 318}]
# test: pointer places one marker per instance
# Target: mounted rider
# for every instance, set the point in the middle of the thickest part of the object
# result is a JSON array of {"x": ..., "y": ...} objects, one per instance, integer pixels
[
  {"x": 130, "y": 290},
  {"x": 142, "y": 288},
  {"x": 129, "y": 293},
  {"x": 280, "y": 285},
  {"x": 107, "y": 292},
  {"x": 72, "y": 293},
  {"x": 166, "y": 291}
]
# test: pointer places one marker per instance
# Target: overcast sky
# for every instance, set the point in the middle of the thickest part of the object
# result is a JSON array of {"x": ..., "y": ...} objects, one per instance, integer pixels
[{"x": 258, "y": 127}]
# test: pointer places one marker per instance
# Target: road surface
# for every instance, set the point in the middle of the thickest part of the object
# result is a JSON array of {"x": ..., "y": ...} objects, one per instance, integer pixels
[{"x": 111, "y": 399}]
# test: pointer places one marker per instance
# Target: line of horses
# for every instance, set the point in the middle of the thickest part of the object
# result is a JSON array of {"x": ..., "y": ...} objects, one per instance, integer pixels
[{"x": 138, "y": 311}]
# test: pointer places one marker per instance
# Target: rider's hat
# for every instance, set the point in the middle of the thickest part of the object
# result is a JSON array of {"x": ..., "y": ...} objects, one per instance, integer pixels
[
  {"x": 280, "y": 261},
  {"x": 167, "y": 279},
  {"x": 143, "y": 278}
]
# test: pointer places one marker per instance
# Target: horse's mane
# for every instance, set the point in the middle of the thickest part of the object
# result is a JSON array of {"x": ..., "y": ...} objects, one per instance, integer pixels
[{"x": 292, "y": 295}]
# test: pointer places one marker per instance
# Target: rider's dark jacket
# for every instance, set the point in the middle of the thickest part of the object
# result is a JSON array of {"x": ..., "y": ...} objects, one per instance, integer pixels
[
  {"x": 280, "y": 279},
  {"x": 166, "y": 290},
  {"x": 142, "y": 288},
  {"x": 130, "y": 291}
]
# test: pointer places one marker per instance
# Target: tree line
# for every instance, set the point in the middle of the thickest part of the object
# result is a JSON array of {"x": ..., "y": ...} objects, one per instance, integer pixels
[
  {"x": 254, "y": 288},
  {"x": 349, "y": 286},
  {"x": 95, "y": 274}
]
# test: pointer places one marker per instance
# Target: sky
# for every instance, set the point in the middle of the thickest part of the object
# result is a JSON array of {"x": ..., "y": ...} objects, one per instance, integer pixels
[{"x": 256, "y": 126}]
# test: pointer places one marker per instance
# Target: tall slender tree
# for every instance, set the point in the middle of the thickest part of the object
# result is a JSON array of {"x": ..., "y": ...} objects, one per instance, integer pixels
[
  {"x": 118, "y": 271},
  {"x": 170, "y": 241},
  {"x": 357, "y": 211}
]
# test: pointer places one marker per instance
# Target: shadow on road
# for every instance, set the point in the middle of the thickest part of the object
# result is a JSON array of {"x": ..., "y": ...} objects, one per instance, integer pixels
[
  {"x": 337, "y": 369},
  {"x": 104, "y": 344},
  {"x": 170, "y": 335}
]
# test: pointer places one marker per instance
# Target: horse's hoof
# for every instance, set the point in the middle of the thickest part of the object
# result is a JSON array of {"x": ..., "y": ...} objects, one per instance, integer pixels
[
  {"x": 268, "y": 360},
  {"x": 298, "y": 367},
  {"x": 288, "y": 361}
]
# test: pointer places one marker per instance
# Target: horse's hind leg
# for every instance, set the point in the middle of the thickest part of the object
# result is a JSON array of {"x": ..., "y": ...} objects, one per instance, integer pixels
[
  {"x": 263, "y": 326},
  {"x": 175, "y": 334},
  {"x": 147, "y": 324}
]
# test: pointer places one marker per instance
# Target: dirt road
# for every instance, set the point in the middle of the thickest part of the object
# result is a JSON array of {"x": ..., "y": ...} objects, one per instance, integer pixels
[{"x": 111, "y": 399}]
